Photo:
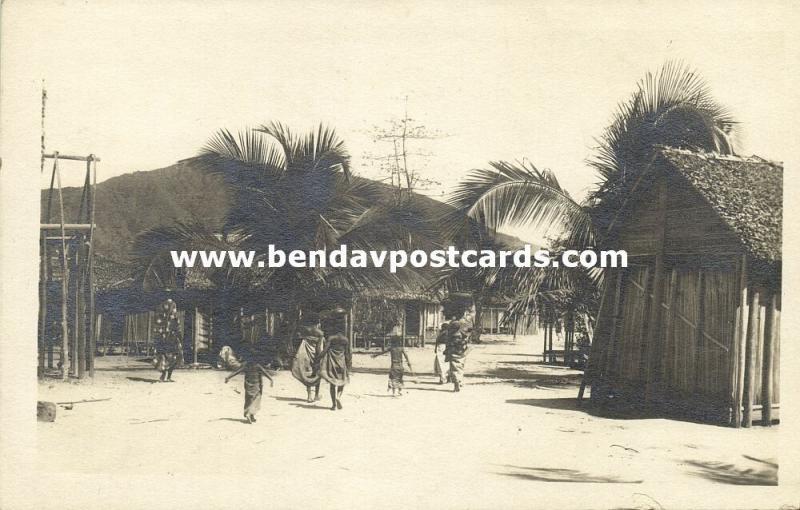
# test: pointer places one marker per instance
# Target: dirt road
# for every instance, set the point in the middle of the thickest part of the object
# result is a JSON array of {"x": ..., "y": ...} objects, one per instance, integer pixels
[{"x": 509, "y": 439}]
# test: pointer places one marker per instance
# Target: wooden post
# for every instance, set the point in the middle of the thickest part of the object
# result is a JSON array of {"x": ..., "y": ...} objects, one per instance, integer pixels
[
  {"x": 767, "y": 360},
  {"x": 92, "y": 312},
  {"x": 750, "y": 359},
  {"x": 609, "y": 362},
  {"x": 402, "y": 324},
  {"x": 424, "y": 326},
  {"x": 195, "y": 335},
  {"x": 148, "y": 339},
  {"x": 737, "y": 356},
  {"x": 64, "y": 320},
  {"x": 80, "y": 319},
  {"x": 97, "y": 329},
  {"x": 75, "y": 317},
  {"x": 669, "y": 324},
  {"x": 546, "y": 317},
  {"x": 552, "y": 328},
  {"x": 350, "y": 329},
  {"x": 652, "y": 351},
  {"x": 64, "y": 272},
  {"x": 590, "y": 372},
  {"x": 42, "y": 300},
  {"x": 699, "y": 332}
]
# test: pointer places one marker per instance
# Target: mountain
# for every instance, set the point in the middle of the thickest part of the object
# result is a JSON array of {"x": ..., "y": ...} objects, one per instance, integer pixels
[
  {"x": 181, "y": 193},
  {"x": 133, "y": 203}
]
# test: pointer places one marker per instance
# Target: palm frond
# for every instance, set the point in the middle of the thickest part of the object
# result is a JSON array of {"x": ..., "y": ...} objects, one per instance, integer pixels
[{"x": 517, "y": 194}]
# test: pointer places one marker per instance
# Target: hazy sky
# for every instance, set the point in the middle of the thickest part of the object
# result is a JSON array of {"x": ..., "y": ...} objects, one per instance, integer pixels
[{"x": 145, "y": 85}]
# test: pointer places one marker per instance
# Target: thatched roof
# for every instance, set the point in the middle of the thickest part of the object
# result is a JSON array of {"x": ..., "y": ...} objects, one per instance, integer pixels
[
  {"x": 401, "y": 295},
  {"x": 747, "y": 193},
  {"x": 110, "y": 274}
]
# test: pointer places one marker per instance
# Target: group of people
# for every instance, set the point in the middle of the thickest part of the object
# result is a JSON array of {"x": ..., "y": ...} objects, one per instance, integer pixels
[{"x": 324, "y": 354}]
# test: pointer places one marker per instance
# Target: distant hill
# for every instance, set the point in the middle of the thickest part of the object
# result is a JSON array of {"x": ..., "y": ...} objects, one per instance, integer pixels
[{"x": 184, "y": 192}]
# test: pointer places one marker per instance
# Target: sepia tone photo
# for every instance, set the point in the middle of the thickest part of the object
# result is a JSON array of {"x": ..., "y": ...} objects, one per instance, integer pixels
[{"x": 396, "y": 255}]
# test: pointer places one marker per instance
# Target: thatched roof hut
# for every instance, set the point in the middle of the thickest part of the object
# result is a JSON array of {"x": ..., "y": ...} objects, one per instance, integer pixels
[{"x": 690, "y": 327}]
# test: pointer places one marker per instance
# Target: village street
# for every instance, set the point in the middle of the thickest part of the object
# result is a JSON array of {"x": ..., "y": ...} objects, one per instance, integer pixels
[{"x": 507, "y": 439}]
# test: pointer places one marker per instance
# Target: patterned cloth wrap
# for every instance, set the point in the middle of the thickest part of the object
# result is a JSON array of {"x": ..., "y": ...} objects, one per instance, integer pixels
[
  {"x": 167, "y": 336},
  {"x": 396, "y": 369},
  {"x": 253, "y": 387},
  {"x": 458, "y": 333},
  {"x": 306, "y": 361},
  {"x": 336, "y": 361}
]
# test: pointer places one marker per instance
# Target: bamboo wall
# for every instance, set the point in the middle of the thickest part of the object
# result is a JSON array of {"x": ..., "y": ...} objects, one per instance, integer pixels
[{"x": 676, "y": 327}]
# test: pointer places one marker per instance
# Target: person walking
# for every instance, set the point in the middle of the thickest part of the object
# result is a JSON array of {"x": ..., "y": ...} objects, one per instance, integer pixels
[
  {"x": 167, "y": 340},
  {"x": 336, "y": 359},
  {"x": 305, "y": 365},
  {"x": 253, "y": 384},
  {"x": 398, "y": 356},
  {"x": 455, "y": 335}
]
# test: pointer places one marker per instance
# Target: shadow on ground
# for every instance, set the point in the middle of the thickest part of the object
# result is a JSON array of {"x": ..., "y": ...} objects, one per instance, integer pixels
[
  {"x": 572, "y": 404},
  {"x": 143, "y": 379},
  {"x": 235, "y": 420},
  {"x": 558, "y": 475},
  {"x": 730, "y": 474}
]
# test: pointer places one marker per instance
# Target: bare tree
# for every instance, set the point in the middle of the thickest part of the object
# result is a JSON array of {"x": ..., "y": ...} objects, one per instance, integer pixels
[{"x": 400, "y": 156}]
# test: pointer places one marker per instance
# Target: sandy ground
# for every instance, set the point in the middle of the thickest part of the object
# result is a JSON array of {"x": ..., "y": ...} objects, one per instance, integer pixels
[{"x": 511, "y": 438}]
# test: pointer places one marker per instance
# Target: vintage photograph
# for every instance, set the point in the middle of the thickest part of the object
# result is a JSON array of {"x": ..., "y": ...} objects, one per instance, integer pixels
[{"x": 396, "y": 255}]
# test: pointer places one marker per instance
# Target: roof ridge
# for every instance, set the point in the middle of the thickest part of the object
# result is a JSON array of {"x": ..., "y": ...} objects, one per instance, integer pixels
[{"x": 753, "y": 158}]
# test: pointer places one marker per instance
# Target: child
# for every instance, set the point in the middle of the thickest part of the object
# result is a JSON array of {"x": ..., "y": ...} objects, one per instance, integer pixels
[
  {"x": 253, "y": 386},
  {"x": 397, "y": 354}
]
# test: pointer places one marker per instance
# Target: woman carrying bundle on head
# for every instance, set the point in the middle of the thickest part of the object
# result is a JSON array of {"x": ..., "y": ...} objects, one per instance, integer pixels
[
  {"x": 455, "y": 335},
  {"x": 305, "y": 365},
  {"x": 336, "y": 359}
]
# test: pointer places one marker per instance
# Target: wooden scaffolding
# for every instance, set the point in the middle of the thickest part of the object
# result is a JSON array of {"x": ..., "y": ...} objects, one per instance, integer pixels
[{"x": 66, "y": 278}]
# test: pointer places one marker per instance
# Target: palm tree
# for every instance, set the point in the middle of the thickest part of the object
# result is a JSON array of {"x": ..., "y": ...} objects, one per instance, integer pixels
[
  {"x": 673, "y": 107},
  {"x": 292, "y": 192}
]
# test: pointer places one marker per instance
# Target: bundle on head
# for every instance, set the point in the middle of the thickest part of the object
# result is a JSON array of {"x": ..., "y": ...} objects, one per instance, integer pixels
[
  {"x": 455, "y": 305},
  {"x": 333, "y": 321}
]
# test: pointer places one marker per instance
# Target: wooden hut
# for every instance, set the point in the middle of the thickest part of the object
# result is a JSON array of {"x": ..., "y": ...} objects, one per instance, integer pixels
[
  {"x": 691, "y": 326},
  {"x": 419, "y": 315}
]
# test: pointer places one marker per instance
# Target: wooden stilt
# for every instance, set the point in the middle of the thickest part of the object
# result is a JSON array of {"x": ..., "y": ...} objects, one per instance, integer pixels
[
  {"x": 767, "y": 361},
  {"x": 750, "y": 359},
  {"x": 737, "y": 356}
]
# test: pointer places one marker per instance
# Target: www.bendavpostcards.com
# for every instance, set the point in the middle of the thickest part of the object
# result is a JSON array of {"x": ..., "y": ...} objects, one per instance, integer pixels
[{"x": 342, "y": 257}]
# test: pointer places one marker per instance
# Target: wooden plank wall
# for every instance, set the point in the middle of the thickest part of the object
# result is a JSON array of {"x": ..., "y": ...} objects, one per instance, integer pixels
[
  {"x": 677, "y": 320},
  {"x": 694, "y": 351}
]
